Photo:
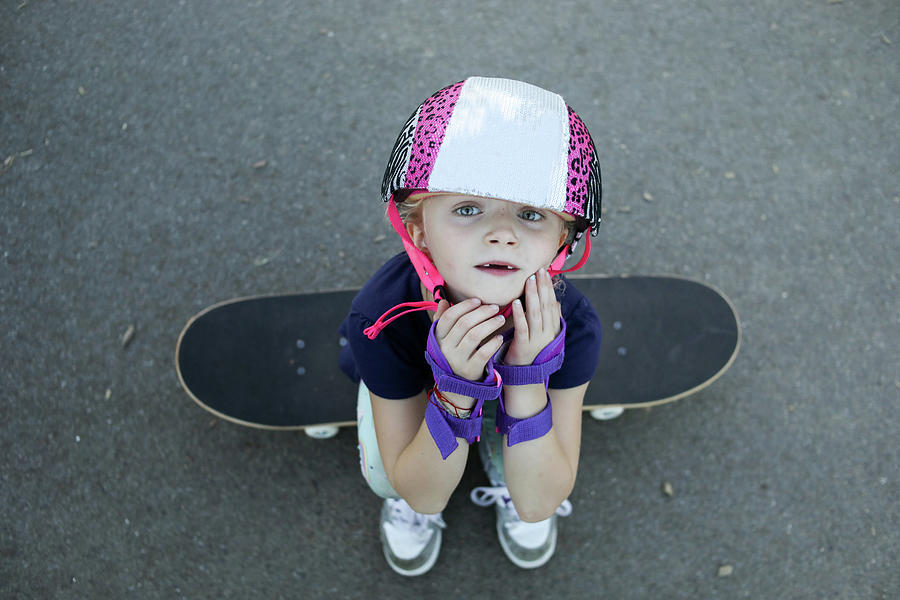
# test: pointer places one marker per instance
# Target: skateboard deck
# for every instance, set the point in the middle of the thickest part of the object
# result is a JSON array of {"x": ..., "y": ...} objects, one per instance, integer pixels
[{"x": 272, "y": 361}]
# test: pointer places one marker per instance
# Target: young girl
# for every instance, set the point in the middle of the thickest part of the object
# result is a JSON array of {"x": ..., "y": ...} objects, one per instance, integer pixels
[{"x": 490, "y": 185}]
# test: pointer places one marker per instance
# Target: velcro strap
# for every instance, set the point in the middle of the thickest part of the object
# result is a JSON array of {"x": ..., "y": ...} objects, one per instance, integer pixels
[
  {"x": 547, "y": 362},
  {"x": 447, "y": 381},
  {"x": 524, "y": 430},
  {"x": 445, "y": 428}
]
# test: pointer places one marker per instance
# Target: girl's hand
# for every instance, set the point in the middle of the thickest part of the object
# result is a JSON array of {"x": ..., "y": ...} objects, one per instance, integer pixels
[
  {"x": 537, "y": 324},
  {"x": 466, "y": 335}
]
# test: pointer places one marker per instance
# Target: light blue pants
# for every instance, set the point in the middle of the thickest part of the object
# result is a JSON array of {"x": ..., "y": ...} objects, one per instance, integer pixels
[{"x": 490, "y": 448}]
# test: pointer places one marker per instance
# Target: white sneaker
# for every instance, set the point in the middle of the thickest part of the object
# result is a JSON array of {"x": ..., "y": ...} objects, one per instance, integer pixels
[
  {"x": 527, "y": 545},
  {"x": 411, "y": 541}
]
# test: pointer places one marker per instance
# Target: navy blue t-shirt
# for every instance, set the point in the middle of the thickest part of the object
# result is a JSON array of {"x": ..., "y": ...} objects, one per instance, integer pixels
[{"x": 393, "y": 364}]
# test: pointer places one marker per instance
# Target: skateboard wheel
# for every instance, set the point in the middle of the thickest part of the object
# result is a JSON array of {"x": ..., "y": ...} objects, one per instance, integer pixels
[
  {"x": 605, "y": 414},
  {"x": 321, "y": 433}
]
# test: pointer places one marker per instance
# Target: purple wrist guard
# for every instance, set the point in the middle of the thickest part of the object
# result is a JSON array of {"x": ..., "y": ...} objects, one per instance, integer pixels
[
  {"x": 443, "y": 426},
  {"x": 548, "y": 361},
  {"x": 524, "y": 430},
  {"x": 448, "y": 381}
]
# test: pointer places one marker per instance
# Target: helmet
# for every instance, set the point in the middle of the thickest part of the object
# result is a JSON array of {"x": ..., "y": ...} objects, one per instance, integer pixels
[
  {"x": 496, "y": 138},
  {"x": 502, "y": 139}
]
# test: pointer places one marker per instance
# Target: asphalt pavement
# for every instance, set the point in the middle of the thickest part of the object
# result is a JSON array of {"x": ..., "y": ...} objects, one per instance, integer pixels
[{"x": 157, "y": 157}]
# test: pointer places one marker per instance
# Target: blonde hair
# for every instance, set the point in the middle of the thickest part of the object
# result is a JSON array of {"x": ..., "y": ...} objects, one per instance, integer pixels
[{"x": 409, "y": 206}]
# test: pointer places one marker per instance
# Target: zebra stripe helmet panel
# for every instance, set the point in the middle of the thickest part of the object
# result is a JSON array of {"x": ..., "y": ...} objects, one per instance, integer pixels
[{"x": 502, "y": 139}]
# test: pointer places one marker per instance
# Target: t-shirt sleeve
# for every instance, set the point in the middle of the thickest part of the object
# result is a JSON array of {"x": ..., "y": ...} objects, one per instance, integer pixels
[
  {"x": 383, "y": 363},
  {"x": 583, "y": 333}
]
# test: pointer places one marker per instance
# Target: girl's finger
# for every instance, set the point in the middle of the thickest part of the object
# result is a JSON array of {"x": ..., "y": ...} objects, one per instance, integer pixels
[
  {"x": 488, "y": 349},
  {"x": 465, "y": 323},
  {"x": 452, "y": 314},
  {"x": 476, "y": 336},
  {"x": 520, "y": 322},
  {"x": 533, "y": 304},
  {"x": 548, "y": 300}
]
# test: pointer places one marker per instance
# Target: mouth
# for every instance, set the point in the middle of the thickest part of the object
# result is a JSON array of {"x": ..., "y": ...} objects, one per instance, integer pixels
[{"x": 497, "y": 268}]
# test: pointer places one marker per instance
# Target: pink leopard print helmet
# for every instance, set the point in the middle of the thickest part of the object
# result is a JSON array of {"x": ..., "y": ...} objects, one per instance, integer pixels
[{"x": 502, "y": 139}]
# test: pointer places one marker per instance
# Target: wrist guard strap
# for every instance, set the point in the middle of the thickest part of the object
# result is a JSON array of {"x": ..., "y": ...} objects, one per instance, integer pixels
[
  {"x": 547, "y": 362},
  {"x": 447, "y": 381},
  {"x": 445, "y": 428},
  {"x": 524, "y": 430}
]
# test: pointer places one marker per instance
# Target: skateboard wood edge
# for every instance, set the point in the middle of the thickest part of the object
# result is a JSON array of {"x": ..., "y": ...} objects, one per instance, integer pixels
[{"x": 702, "y": 386}]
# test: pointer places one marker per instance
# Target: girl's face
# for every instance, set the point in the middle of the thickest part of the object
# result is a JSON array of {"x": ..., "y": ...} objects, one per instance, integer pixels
[{"x": 486, "y": 248}]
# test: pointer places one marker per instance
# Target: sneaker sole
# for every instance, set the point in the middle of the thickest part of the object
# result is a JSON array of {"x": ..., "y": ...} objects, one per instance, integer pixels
[
  {"x": 418, "y": 570},
  {"x": 534, "y": 564}
]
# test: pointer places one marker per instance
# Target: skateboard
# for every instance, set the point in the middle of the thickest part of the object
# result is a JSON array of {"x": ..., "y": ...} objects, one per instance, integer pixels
[{"x": 272, "y": 361}]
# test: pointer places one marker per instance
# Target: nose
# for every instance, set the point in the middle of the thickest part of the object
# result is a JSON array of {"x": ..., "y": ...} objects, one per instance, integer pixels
[{"x": 501, "y": 232}]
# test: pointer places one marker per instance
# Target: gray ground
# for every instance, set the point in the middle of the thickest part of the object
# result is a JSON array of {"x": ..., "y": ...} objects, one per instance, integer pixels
[{"x": 752, "y": 144}]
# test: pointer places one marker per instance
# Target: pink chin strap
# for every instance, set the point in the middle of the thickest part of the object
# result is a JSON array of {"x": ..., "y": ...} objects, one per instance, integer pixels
[{"x": 433, "y": 281}]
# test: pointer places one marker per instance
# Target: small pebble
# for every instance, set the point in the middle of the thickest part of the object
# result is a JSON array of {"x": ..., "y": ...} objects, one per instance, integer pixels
[{"x": 128, "y": 335}]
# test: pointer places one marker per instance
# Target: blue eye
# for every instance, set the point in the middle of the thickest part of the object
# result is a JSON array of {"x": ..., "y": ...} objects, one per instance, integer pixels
[
  {"x": 531, "y": 215},
  {"x": 467, "y": 211}
]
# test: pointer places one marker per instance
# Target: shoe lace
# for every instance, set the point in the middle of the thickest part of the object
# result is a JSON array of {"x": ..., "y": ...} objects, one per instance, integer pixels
[
  {"x": 499, "y": 495},
  {"x": 403, "y": 514}
]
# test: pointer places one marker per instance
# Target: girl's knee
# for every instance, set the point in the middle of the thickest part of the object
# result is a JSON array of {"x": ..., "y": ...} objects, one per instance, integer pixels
[{"x": 369, "y": 455}]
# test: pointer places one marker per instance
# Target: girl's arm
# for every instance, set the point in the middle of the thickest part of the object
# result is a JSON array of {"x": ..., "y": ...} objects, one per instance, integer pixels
[
  {"x": 411, "y": 459},
  {"x": 541, "y": 473}
]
